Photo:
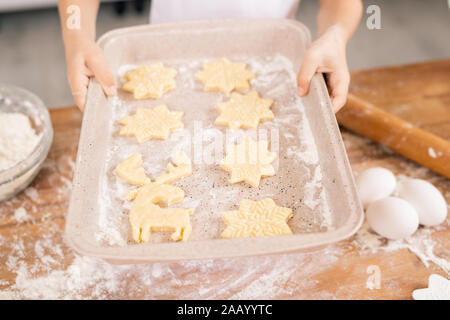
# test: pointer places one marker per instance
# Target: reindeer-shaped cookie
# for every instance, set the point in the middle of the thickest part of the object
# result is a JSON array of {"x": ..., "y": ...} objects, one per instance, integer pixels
[
  {"x": 150, "y": 218},
  {"x": 146, "y": 216}
]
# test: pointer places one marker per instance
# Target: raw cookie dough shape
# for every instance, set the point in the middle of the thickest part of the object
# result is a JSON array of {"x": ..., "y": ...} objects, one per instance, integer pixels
[
  {"x": 257, "y": 219},
  {"x": 244, "y": 111},
  {"x": 248, "y": 161},
  {"x": 131, "y": 170},
  {"x": 155, "y": 123},
  {"x": 146, "y": 216},
  {"x": 150, "y": 81},
  {"x": 438, "y": 289},
  {"x": 156, "y": 193},
  {"x": 224, "y": 75},
  {"x": 181, "y": 167}
]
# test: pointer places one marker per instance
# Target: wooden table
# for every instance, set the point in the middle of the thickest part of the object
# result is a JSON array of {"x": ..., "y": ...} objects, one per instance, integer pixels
[{"x": 34, "y": 254}]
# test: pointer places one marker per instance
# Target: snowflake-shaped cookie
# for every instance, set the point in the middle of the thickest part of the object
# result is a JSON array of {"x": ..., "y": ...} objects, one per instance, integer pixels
[
  {"x": 257, "y": 219},
  {"x": 438, "y": 289},
  {"x": 249, "y": 161},
  {"x": 153, "y": 123},
  {"x": 150, "y": 81},
  {"x": 244, "y": 111},
  {"x": 225, "y": 76},
  {"x": 131, "y": 170}
]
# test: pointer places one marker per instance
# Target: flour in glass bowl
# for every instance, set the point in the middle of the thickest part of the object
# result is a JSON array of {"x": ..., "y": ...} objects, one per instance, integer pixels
[{"x": 17, "y": 139}]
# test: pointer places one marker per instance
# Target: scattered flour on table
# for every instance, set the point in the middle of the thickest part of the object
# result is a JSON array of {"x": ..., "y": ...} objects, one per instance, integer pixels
[
  {"x": 17, "y": 139},
  {"x": 38, "y": 272},
  {"x": 420, "y": 243},
  {"x": 20, "y": 214},
  {"x": 244, "y": 278}
]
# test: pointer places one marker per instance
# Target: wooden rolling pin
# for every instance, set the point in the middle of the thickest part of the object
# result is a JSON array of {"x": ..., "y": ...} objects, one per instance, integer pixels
[{"x": 398, "y": 135}]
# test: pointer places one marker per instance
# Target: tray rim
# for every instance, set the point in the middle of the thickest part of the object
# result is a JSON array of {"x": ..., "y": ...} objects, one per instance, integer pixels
[{"x": 296, "y": 242}]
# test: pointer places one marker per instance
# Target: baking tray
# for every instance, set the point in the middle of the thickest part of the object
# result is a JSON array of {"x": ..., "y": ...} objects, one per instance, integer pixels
[{"x": 313, "y": 173}]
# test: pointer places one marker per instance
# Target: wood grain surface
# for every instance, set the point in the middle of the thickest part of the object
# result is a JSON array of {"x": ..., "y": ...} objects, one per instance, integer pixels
[
  {"x": 413, "y": 113},
  {"x": 418, "y": 93},
  {"x": 339, "y": 271}
]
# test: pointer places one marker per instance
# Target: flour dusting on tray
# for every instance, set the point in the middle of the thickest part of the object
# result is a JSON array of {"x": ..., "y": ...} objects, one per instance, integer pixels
[{"x": 297, "y": 183}]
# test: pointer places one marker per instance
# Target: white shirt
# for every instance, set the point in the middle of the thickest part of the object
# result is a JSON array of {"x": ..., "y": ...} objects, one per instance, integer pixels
[{"x": 181, "y": 10}]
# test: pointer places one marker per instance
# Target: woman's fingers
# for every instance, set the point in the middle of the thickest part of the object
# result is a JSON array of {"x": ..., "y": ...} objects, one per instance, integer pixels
[
  {"x": 85, "y": 60},
  {"x": 79, "y": 98},
  {"x": 339, "y": 83},
  {"x": 97, "y": 63},
  {"x": 338, "y": 79},
  {"x": 78, "y": 81},
  {"x": 327, "y": 55},
  {"x": 307, "y": 70}
]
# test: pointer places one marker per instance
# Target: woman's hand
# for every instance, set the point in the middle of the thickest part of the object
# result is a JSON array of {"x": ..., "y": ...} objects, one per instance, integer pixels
[
  {"x": 327, "y": 55},
  {"x": 84, "y": 60}
]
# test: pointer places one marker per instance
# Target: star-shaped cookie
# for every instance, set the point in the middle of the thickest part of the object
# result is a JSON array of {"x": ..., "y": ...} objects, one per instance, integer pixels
[
  {"x": 256, "y": 219},
  {"x": 249, "y": 161},
  {"x": 225, "y": 76},
  {"x": 153, "y": 123},
  {"x": 244, "y": 111},
  {"x": 150, "y": 81}
]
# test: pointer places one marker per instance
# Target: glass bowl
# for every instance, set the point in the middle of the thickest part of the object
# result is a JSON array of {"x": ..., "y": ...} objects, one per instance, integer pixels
[{"x": 18, "y": 177}]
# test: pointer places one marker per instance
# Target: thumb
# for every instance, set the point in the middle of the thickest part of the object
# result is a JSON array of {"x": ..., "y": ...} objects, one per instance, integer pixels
[{"x": 307, "y": 70}]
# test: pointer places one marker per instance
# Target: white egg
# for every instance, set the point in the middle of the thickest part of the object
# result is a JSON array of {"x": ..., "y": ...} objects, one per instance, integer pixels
[
  {"x": 393, "y": 218},
  {"x": 425, "y": 198},
  {"x": 375, "y": 183}
]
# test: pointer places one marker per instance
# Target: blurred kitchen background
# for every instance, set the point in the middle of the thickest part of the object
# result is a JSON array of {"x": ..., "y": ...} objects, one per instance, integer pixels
[{"x": 32, "y": 53}]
